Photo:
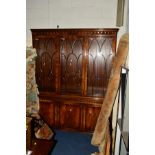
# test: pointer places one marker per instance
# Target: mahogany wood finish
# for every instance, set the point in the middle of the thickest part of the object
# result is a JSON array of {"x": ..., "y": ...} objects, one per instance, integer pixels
[{"x": 72, "y": 73}]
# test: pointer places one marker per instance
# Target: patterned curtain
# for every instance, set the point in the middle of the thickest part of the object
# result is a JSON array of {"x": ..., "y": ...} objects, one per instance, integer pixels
[
  {"x": 32, "y": 100},
  {"x": 41, "y": 129}
]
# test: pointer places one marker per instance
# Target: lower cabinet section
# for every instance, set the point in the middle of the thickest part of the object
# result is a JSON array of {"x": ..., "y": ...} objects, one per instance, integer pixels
[{"x": 68, "y": 114}]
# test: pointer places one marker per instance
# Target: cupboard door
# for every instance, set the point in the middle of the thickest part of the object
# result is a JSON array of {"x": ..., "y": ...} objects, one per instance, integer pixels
[
  {"x": 91, "y": 117},
  {"x": 45, "y": 63},
  {"x": 70, "y": 116},
  {"x": 47, "y": 112},
  {"x": 71, "y": 50},
  {"x": 100, "y": 55}
]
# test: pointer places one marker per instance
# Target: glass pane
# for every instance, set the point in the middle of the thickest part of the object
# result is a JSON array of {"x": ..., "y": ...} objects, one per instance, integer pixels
[
  {"x": 45, "y": 64},
  {"x": 99, "y": 65},
  {"x": 71, "y": 65}
]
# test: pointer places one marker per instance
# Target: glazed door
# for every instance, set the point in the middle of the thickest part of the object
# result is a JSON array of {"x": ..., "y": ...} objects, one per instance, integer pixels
[
  {"x": 71, "y": 52},
  {"x": 45, "y": 63},
  {"x": 100, "y": 56}
]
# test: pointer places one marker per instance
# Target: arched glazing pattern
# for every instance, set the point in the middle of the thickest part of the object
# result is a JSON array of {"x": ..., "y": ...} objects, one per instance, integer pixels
[
  {"x": 100, "y": 55},
  {"x": 71, "y": 65},
  {"x": 45, "y": 64}
]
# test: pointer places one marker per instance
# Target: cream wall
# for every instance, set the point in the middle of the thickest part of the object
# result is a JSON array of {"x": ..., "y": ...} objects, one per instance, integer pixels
[{"x": 70, "y": 14}]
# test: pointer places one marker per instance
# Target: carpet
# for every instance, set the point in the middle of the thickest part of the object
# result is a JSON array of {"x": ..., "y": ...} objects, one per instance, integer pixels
[{"x": 73, "y": 143}]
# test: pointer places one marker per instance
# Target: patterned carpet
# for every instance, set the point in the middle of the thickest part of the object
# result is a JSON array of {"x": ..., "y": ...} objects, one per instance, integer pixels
[{"x": 73, "y": 143}]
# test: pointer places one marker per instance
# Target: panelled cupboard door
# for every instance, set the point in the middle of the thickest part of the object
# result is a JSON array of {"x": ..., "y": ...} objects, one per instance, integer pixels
[
  {"x": 70, "y": 116},
  {"x": 91, "y": 117},
  {"x": 45, "y": 63},
  {"x": 47, "y": 112}
]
